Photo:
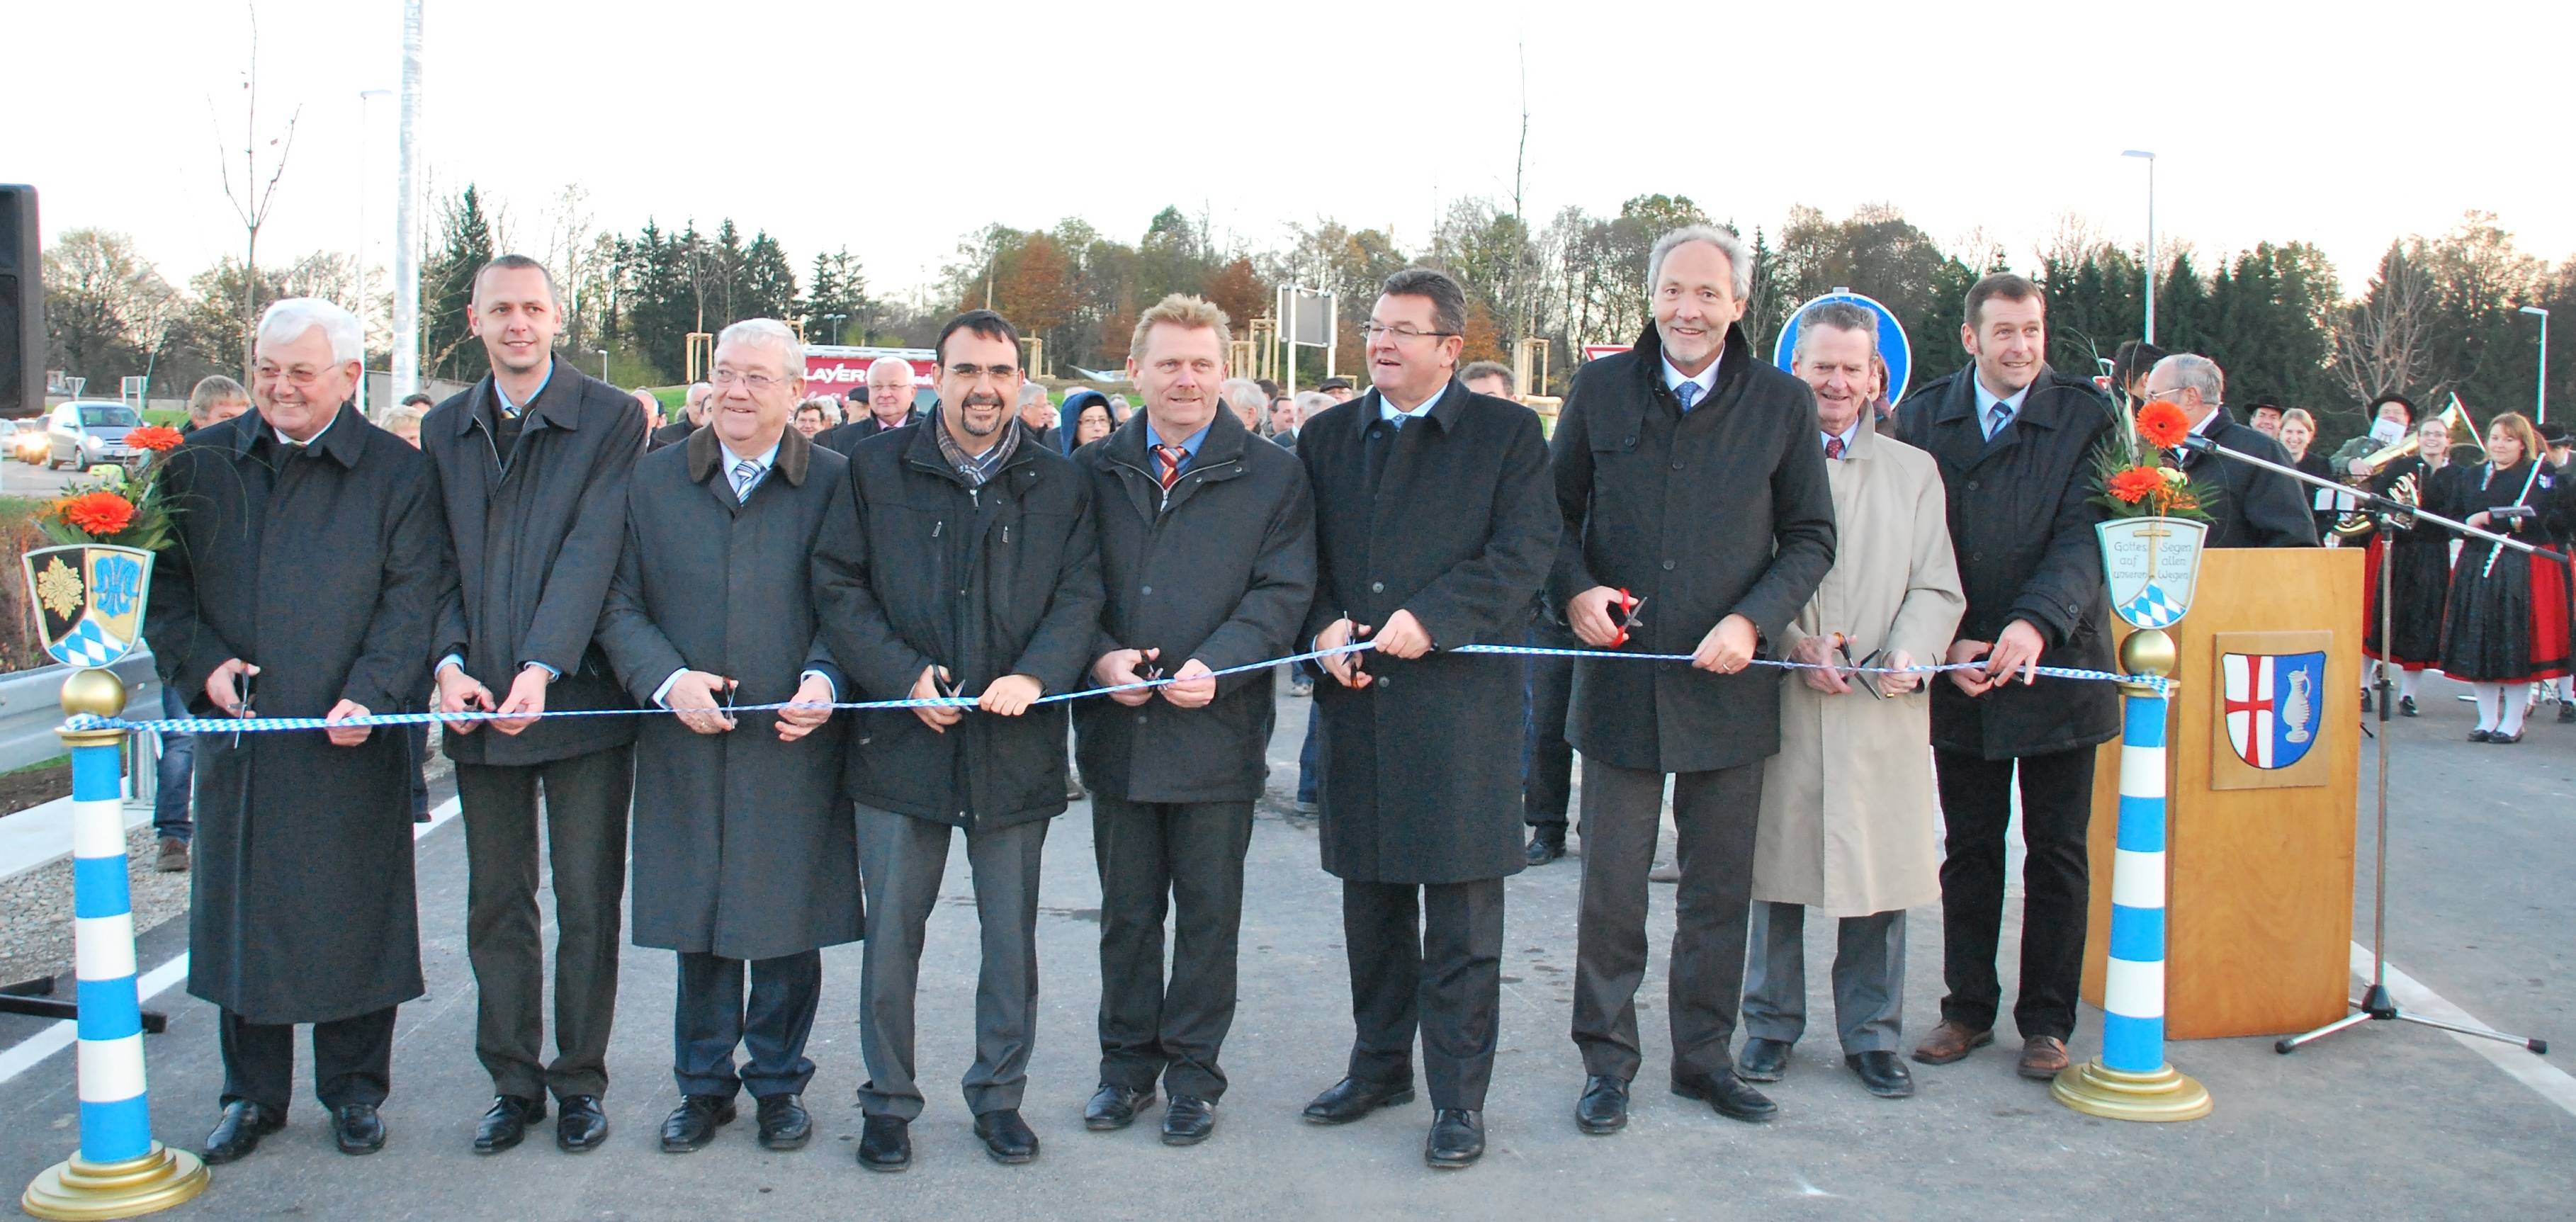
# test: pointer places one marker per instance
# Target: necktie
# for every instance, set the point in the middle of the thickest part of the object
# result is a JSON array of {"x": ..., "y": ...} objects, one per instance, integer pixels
[
  {"x": 1688, "y": 393},
  {"x": 1168, "y": 458},
  {"x": 745, "y": 474},
  {"x": 1833, "y": 447},
  {"x": 1997, "y": 418},
  {"x": 1397, "y": 421}
]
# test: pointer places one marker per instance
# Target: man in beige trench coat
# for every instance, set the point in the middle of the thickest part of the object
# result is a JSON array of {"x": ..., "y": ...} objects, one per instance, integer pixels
[{"x": 1848, "y": 804}]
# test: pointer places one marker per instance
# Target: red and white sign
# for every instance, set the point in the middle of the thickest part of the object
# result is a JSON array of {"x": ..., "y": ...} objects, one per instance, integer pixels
[
  {"x": 834, "y": 369},
  {"x": 1596, "y": 351}
]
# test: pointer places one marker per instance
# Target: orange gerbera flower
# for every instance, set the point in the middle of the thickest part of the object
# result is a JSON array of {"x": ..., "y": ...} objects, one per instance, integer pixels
[
  {"x": 154, "y": 437},
  {"x": 2134, "y": 485},
  {"x": 2163, "y": 425},
  {"x": 101, "y": 514}
]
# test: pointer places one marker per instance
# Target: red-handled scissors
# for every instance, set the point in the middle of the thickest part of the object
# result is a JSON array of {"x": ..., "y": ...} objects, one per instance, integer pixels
[{"x": 1628, "y": 604}]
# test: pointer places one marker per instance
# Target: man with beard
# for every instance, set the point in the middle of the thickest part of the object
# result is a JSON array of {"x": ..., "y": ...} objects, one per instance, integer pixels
[
  {"x": 1433, "y": 531},
  {"x": 307, "y": 556},
  {"x": 532, "y": 463},
  {"x": 974, "y": 570},
  {"x": 889, "y": 403}
]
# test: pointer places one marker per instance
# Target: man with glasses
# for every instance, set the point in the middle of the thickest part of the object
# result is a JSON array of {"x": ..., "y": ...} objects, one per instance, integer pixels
[
  {"x": 889, "y": 403},
  {"x": 2254, "y": 507},
  {"x": 1434, "y": 531},
  {"x": 974, "y": 571}
]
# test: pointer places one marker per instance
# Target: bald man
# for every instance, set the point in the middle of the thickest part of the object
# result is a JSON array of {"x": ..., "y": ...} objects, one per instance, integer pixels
[{"x": 890, "y": 394}]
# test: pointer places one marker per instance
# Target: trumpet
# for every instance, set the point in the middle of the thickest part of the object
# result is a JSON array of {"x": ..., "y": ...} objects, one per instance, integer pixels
[{"x": 2356, "y": 523}]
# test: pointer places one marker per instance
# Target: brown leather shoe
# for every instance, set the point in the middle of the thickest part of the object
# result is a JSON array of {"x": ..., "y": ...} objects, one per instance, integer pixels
[
  {"x": 2042, "y": 1057},
  {"x": 174, "y": 856},
  {"x": 1952, "y": 1041}
]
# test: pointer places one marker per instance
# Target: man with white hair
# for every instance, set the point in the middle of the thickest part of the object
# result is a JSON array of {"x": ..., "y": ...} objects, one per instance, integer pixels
[
  {"x": 2254, "y": 507},
  {"x": 1245, "y": 397},
  {"x": 307, "y": 555},
  {"x": 1037, "y": 415},
  {"x": 695, "y": 408},
  {"x": 889, "y": 402}
]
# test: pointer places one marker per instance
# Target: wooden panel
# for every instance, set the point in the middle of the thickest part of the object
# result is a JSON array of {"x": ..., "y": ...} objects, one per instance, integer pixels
[{"x": 2259, "y": 881}]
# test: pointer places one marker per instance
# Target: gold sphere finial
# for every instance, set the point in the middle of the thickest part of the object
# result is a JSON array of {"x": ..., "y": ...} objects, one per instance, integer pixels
[
  {"x": 2148, "y": 651},
  {"x": 95, "y": 691}
]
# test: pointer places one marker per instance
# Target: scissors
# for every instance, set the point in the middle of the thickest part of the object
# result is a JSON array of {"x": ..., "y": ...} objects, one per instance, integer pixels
[
  {"x": 1151, "y": 670},
  {"x": 1842, "y": 645},
  {"x": 1628, "y": 604}
]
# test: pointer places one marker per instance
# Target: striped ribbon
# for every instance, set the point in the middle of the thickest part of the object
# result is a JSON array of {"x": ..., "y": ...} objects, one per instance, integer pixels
[{"x": 252, "y": 725}]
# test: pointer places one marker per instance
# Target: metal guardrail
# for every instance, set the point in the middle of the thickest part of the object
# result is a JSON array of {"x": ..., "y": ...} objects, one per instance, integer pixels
[{"x": 31, "y": 706}]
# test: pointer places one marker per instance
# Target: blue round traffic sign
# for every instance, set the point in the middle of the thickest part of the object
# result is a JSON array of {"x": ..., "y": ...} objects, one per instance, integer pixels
[{"x": 1893, "y": 347}]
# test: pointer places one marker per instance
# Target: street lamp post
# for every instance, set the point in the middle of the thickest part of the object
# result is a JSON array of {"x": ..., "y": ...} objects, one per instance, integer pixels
[
  {"x": 2540, "y": 392},
  {"x": 2150, "y": 159},
  {"x": 603, "y": 365},
  {"x": 365, "y": 96},
  {"x": 836, "y": 321}
]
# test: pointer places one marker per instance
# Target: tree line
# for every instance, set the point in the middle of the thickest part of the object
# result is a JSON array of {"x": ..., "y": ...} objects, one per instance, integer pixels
[{"x": 2439, "y": 315}]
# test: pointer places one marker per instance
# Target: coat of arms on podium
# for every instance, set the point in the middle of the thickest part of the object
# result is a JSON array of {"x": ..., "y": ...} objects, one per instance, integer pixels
[
  {"x": 2269, "y": 722},
  {"x": 2152, "y": 565},
  {"x": 88, "y": 599}
]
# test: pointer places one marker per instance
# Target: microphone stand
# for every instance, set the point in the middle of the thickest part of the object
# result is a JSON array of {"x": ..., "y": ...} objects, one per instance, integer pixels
[{"x": 2376, "y": 1004}]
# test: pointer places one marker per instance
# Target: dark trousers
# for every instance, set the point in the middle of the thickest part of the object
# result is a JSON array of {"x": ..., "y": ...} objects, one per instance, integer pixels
[
  {"x": 712, "y": 1019},
  {"x": 1310, "y": 766},
  {"x": 586, "y": 802},
  {"x": 353, "y": 1060},
  {"x": 416, "y": 742},
  {"x": 1188, "y": 858},
  {"x": 1426, "y": 958},
  {"x": 2056, "y": 809},
  {"x": 1547, "y": 760},
  {"x": 176, "y": 776},
  {"x": 1714, "y": 816},
  {"x": 1869, "y": 978},
  {"x": 901, "y": 860}
]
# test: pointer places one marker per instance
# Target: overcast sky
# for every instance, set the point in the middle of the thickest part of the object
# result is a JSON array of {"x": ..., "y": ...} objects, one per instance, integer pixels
[{"x": 2341, "y": 125}]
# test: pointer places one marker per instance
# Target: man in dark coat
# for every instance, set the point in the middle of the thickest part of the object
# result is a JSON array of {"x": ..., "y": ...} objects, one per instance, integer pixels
[
  {"x": 1690, "y": 480},
  {"x": 1433, "y": 531},
  {"x": 2015, "y": 442},
  {"x": 2253, "y": 507},
  {"x": 974, "y": 569},
  {"x": 1547, "y": 686},
  {"x": 692, "y": 418},
  {"x": 532, "y": 463},
  {"x": 744, "y": 853},
  {"x": 888, "y": 391},
  {"x": 1207, "y": 550},
  {"x": 307, "y": 560}
]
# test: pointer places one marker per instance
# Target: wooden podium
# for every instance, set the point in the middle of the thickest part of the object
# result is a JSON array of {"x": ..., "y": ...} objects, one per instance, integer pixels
[{"x": 2259, "y": 859}]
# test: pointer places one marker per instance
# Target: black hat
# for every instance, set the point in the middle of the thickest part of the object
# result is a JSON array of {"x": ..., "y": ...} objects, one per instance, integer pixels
[
  {"x": 2553, "y": 433},
  {"x": 1329, "y": 384}
]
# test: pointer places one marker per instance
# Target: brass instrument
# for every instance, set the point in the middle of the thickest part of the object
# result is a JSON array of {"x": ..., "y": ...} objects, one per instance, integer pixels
[{"x": 2356, "y": 523}]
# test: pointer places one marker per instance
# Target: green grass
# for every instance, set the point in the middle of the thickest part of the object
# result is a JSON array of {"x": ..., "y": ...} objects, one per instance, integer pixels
[{"x": 40, "y": 765}]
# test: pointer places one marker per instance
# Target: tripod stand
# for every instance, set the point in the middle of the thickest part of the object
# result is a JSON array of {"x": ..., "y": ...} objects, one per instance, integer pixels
[{"x": 2376, "y": 1004}]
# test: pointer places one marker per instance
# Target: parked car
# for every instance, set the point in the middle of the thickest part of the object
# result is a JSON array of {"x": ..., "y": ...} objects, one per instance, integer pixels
[
  {"x": 27, "y": 443},
  {"x": 86, "y": 433}
]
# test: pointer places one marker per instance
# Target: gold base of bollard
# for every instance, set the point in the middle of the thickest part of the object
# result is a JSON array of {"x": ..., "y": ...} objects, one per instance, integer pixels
[
  {"x": 78, "y": 1191},
  {"x": 2097, "y": 1090}
]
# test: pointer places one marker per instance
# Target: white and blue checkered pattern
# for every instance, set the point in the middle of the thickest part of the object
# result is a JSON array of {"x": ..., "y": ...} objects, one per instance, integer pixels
[
  {"x": 88, "y": 645},
  {"x": 2150, "y": 610}
]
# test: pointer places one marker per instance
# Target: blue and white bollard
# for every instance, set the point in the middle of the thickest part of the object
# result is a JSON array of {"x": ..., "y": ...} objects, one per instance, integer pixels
[
  {"x": 2130, "y": 1080},
  {"x": 120, "y": 1171}
]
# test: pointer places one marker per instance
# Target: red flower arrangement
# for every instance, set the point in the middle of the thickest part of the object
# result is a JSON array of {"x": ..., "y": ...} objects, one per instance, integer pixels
[
  {"x": 154, "y": 437},
  {"x": 2163, "y": 425},
  {"x": 2135, "y": 484},
  {"x": 127, "y": 509},
  {"x": 101, "y": 515},
  {"x": 2132, "y": 470}
]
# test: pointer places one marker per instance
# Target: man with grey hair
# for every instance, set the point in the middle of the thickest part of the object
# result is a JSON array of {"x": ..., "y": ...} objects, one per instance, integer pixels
[
  {"x": 2253, "y": 507},
  {"x": 1488, "y": 378},
  {"x": 889, "y": 392},
  {"x": 1698, "y": 519},
  {"x": 305, "y": 910},
  {"x": 1244, "y": 397},
  {"x": 695, "y": 407},
  {"x": 1037, "y": 415}
]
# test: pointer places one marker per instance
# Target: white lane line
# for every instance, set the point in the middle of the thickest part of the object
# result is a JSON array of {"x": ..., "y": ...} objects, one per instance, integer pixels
[
  {"x": 2546, "y": 1080},
  {"x": 26, "y": 1054}
]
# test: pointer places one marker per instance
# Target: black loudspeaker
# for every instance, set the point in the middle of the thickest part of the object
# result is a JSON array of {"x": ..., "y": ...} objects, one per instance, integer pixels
[{"x": 22, "y": 305}]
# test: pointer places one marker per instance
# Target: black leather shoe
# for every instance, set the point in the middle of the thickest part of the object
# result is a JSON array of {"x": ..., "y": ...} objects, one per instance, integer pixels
[
  {"x": 1732, "y": 1096},
  {"x": 1546, "y": 844},
  {"x": 1604, "y": 1106},
  {"x": 1007, "y": 1137},
  {"x": 2481, "y": 736},
  {"x": 1457, "y": 1139},
  {"x": 1188, "y": 1121},
  {"x": 580, "y": 1125},
  {"x": 1883, "y": 1073},
  {"x": 783, "y": 1123},
  {"x": 1113, "y": 1107},
  {"x": 2406, "y": 708},
  {"x": 357, "y": 1129},
  {"x": 1350, "y": 1099},
  {"x": 238, "y": 1133},
  {"x": 2365, "y": 700},
  {"x": 2566, "y": 711},
  {"x": 1762, "y": 1060},
  {"x": 693, "y": 1124},
  {"x": 505, "y": 1124},
  {"x": 2502, "y": 739},
  {"x": 885, "y": 1143}
]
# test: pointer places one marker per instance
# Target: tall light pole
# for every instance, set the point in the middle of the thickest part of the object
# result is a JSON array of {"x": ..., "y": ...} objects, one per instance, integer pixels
[
  {"x": 603, "y": 365},
  {"x": 2151, "y": 238},
  {"x": 365, "y": 129},
  {"x": 407, "y": 213},
  {"x": 2540, "y": 393}
]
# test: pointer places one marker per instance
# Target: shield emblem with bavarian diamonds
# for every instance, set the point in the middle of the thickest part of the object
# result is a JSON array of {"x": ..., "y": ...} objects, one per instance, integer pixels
[
  {"x": 89, "y": 600},
  {"x": 2152, "y": 565}
]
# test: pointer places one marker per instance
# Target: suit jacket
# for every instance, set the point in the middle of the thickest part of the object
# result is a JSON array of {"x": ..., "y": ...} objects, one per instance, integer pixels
[{"x": 2254, "y": 507}]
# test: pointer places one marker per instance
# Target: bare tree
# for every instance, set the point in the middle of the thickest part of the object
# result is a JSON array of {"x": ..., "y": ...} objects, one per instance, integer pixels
[
  {"x": 2384, "y": 344},
  {"x": 252, "y": 200}
]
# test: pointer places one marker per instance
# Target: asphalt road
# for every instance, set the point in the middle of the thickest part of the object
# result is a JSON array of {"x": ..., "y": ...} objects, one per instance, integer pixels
[
  {"x": 26, "y": 479},
  {"x": 2391, "y": 1121}
]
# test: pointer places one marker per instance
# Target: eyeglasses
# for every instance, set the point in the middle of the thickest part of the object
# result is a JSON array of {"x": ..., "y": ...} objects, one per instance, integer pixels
[
  {"x": 756, "y": 383},
  {"x": 299, "y": 376},
  {"x": 973, "y": 373},
  {"x": 1403, "y": 332}
]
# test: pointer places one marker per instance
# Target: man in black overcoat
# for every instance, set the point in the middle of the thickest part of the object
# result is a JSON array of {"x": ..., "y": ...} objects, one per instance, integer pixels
[
  {"x": 693, "y": 416},
  {"x": 307, "y": 560},
  {"x": 744, "y": 854},
  {"x": 2015, "y": 441},
  {"x": 974, "y": 569},
  {"x": 1434, "y": 530},
  {"x": 2252, "y": 507},
  {"x": 1207, "y": 550},
  {"x": 888, "y": 391},
  {"x": 532, "y": 463},
  {"x": 1689, "y": 477}
]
